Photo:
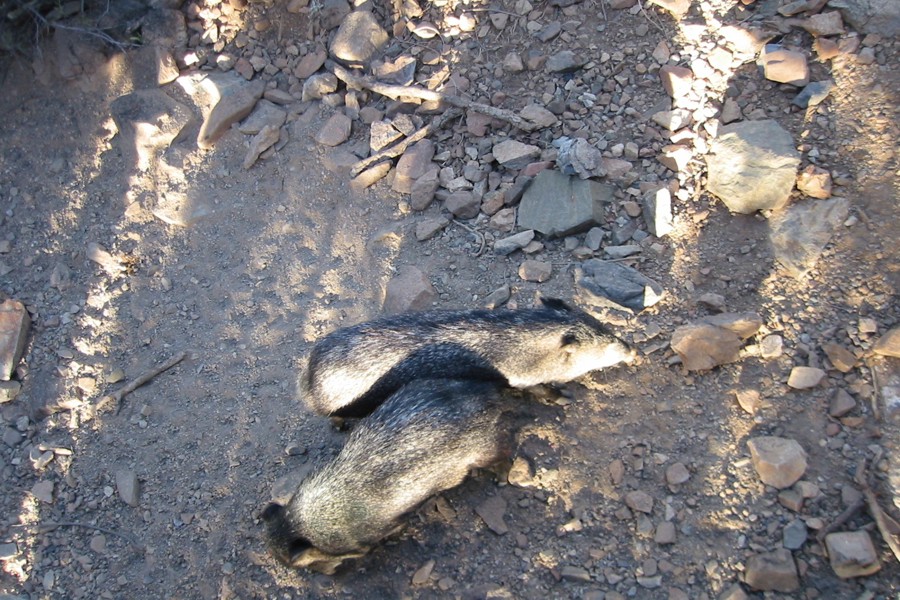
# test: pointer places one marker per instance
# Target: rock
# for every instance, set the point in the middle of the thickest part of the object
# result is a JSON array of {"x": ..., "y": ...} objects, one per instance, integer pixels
[
  {"x": 558, "y": 205},
  {"x": 8, "y": 551},
  {"x": 673, "y": 120},
  {"x": 9, "y": 390},
  {"x": 265, "y": 113},
  {"x": 504, "y": 220},
  {"x": 677, "y": 81},
  {"x": 510, "y": 244},
  {"x": 815, "y": 182},
  {"x": 813, "y": 94},
  {"x": 742, "y": 324},
  {"x": 318, "y": 86},
  {"x": 676, "y": 474},
  {"x": 771, "y": 346},
  {"x": 261, "y": 142},
  {"x": 335, "y": 131},
  {"x": 791, "y": 500},
  {"x": 521, "y": 474},
  {"x": 639, "y": 501},
  {"x": 615, "y": 168},
  {"x": 801, "y": 232},
  {"x": 513, "y": 154},
  {"x": 658, "y": 212},
  {"x": 748, "y": 400},
  {"x": 43, "y": 491},
  {"x": 409, "y": 290},
  {"x": 731, "y": 111},
  {"x": 14, "y": 325},
  {"x": 606, "y": 283},
  {"x": 842, "y": 359},
  {"x": 535, "y": 270},
  {"x": 872, "y": 16},
  {"x": 824, "y": 23},
  {"x": 778, "y": 461},
  {"x": 565, "y": 61},
  {"x": 498, "y": 297},
  {"x": 463, "y": 204},
  {"x": 423, "y": 573},
  {"x": 852, "y": 554},
  {"x": 772, "y": 571},
  {"x": 841, "y": 404},
  {"x": 889, "y": 343},
  {"x": 382, "y": 134},
  {"x": 713, "y": 301},
  {"x": 538, "y": 116},
  {"x": 578, "y": 157},
  {"x": 11, "y": 437},
  {"x": 370, "y": 176},
  {"x": 550, "y": 31},
  {"x": 400, "y": 71},
  {"x": 491, "y": 512},
  {"x": 702, "y": 346},
  {"x": 675, "y": 157},
  {"x": 752, "y": 166},
  {"x": 578, "y": 574},
  {"x": 98, "y": 543},
  {"x": 128, "y": 487},
  {"x": 358, "y": 38},
  {"x": 665, "y": 533},
  {"x": 594, "y": 238},
  {"x": 236, "y": 100},
  {"x": 784, "y": 66},
  {"x": 429, "y": 227},
  {"x": 413, "y": 164},
  {"x": 423, "y": 189},
  {"x": 804, "y": 378},
  {"x": 143, "y": 134},
  {"x": 678, "y": 8},
  {"x": 513, "y": 63},
  {"x": 310, "y": 63},
  {"x": 735, "y": 592},
  {"x": 793, "y": 536},
  {"x": 615, "y": 252}
]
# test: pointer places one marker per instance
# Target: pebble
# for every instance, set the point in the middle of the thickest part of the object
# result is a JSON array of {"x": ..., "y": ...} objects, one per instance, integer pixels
[
  {"x": 318, "y": 86},
  {"x": 423, "y": 573},
  {"x": 512, "y": 63},
  {"x": 335, "y": 131},
  {"x": 702, "y": 346},
  {"x": 677, "y": 474},
  {"x": 513, "y": 154},
  {"x": 128, "y": 487},
  {"x": 409, "y": 290},
  {"x": 665, "y": 533},
  {"x": 423, "y": 189},
  {"x": 841, "y": 359},
  {"x": 804, "y": 378},
  {"x": 889, "y": 343},
  {"x": 414, "y": 163},
  {"x": 98, "y": 543},
  {"x": 510, "y": 244},
  {"x": 639, "y": 501},
  {"x": 748, "y": 400},
  {"x": 815, "y": 182},
  {"x": 9, "y": 390},
  {"x": 14, "y": 325},
  {"x": 578, "y": 574},
  {"x": 491, "y": 512},
  {"x": 236, "y": 102},
  {"x": 463, "y": 204},
  {"x": 358, "y": 38},
  {"x": 658, "y": 212},
  {"x": 43, "y": 491},
  {"x": 535, "y": 270},
  {"x": 564, "y": 62},
  {"x": 498, "y": 297},
  {"x": 429, "y": 227},
  {"x": 371, "y": 176},
  {"x": 784, "y": 66},
  {"x": 772, "y": 571},
  {"x": 771, "y": 346},
  {"x": 778, "y": 461},
  {"x": 261, "y": 142},
  {"x": 852, "y": 554},
  {"x": 793, "y": 536}
]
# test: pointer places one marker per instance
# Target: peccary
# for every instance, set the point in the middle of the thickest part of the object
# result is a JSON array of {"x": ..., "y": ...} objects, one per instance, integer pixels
[
  {"x": 352, "y": 370},
  {"x": 423, "y": 440}
]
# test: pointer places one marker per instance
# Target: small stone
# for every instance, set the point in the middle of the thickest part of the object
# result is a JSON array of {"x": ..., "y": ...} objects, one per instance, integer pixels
[
  {"x": 318, "y": 86},
  {"x": 535, "y": 270},
  {"x": 510, "y": 244},
  {"x": 358, "y": 38},
  {"x": 677, "y": 474},
  {"x": 382, "y": 134},
  {"x": 521, "y": 474},
  {"x": 430, "y": 227},
  {"x": 778, "y": 461},
  {"x": 538, "y": 115},
  {"x": 658, "y": 212},
  {"x": 804, "y": 378},
  {"x": 825, "y": 23},
  {"x": 772, "y": 571},
  {"x": 852, "y": 554},
  {"x": 335, "y": 131},
  {"x": 616, "y": 471},
  {"x": 513, "y": 154},
  {"x": 731, "y": 111},
  {"x": 889, "y": 343},
  {"x": 423, "y": 573},
  {"x": 423, "y": 190},
  {"x": 815, "y": 182},
  {"x": 678, "y": 8},
  {"x": 8, "y": 551},
  {"x": 236, "y": 102},
  {"x": 793, "y": 536},
  {"x": 807, "y": 489},
  {"x": 498, "y": 297},
  {"x": 677, "y": 81},
  {"x": 564, "y": 62},
  {"x": 491, "y": 512},
  {"x": 825, "y": 49},
  {"x": 43, "y": 491},
  {"x": 9, "y": 390},
  {"x": 261, "y": 142},
  {"x": 841, "y": 404},
  {"x": 791, "y": 500},
  {"x": 513, "y": 63},
  {"x": 14, "y": 325},
  {"x": 713, "y": 301},
  {"x": 771, "y": 346},
  {"x": 867, "y": 325},
  {"x": 784, "y": 66},
  {"x": 842, "y": 359},
  {"x": 639, "y": 501},
  {"x": 702, "y": 346},
  {"x": 504, "y": 220},
  {"x": 735, "y": 592},
  {"x": 370, "y": 176},
  {"x": 578, "y": 574},
  {"x": 11, "y": 437},
  {"x": 463, "y": 204},
  {"x": 265, "y": 113},
  {"x": 665, "y": 533},
  {"x": 409, "y": 290},
  {"x": 98, "y": 543},
  {"x": 310, "y": 63},
  {"x": 748, "y": 400},
  {"x": 414, "y": 163},
  {"x": 128, "y": 487}
]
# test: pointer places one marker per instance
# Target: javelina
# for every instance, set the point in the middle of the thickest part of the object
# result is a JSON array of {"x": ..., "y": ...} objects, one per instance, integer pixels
[
  {"x": 352, "y": 370},
  {"x": 424, "y": 439}
]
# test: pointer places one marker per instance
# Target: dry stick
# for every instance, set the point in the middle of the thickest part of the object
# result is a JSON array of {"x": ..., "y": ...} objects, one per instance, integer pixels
[
  {"x": 120, "y": 394},
  {"x": 842, "y": 518},
  {"x": 876, "y": 407},
  {"x": 47, "y": 527},
  {"x": 401, "y": 146},
  {"x": 409, "y": 91},
  {"x": 477, "y": 233},
  {"x": 865, "y": 480}
]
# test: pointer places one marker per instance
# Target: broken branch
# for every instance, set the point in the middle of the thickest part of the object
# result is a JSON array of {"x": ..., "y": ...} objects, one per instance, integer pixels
[
  {"x": 120, "y": 394},
  {"x": 865, "y": 479}
]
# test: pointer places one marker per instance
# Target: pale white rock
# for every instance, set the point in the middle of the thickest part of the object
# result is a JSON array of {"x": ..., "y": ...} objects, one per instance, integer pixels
[
  {"x": 803, "y": 378},
  {"x": 852, "y": 554},
  {"x": 778, "y": 461}
]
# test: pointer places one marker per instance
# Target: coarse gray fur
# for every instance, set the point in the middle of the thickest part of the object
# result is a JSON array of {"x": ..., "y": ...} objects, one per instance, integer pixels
[
  {"x": 423, "y": 440},
  {"x": 352, "y": 370}
]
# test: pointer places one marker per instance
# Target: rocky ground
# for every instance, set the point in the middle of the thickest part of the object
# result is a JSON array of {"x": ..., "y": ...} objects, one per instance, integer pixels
[{"x": 718, "y": 181}]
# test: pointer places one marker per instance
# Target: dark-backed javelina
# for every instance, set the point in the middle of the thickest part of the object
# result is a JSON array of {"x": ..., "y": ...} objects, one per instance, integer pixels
[
  {"x": 423, "y": 440},
  {"x": 352, "y": 370}
]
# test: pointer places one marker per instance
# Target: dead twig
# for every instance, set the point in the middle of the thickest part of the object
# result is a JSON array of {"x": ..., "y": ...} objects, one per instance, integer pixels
[
  {"x": 47, "y": 527},
  {"x": 401, "y": 146},
  {"x": 876, "y": 407},
  {"x": 842, "y": 518},
  {"x": 477, "y": 233},
  {"x": 410, "y": 91},
  {"x": 865, "y": 479},
  {"x": 119, "y": 395}
]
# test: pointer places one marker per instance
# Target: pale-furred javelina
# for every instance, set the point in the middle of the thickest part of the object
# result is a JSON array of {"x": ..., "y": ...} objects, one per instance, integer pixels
[
  {"x": 352, "y": 370},
  {"x": 423, "y": 440}
]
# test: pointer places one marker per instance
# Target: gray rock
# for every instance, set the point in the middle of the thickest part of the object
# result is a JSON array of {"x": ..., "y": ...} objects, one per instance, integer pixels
[
  {"x": 793, "y": 536},
  {"x": 498, "y": 297},
  {"x": 423, "y": 189},
  {"x": 742, "y": 324},
  {"x": 319, "y": 85},
  {"x": 14, "y": 325},
  {"x": 400, "y": 71},
  {"x": 852, "y": 554},
  {"x": 409, "y": 290},
  {"x": 510, "y": 244},
  {"x": 512, "y": 63},
  {"x": 800, "y": 233},
  {"x": 332, "y": 12},
  {"x": 665, "y": 533},
  {"x": 513, "y": 154},
  {"x": 236, "y": 100},
  {"x": 639, "y": 501},
  {"x": 658, "y": 212},
  {"x": 382, "y": 134},
  {"x": 594, "y": 238},
  {"x": 752, "y": 166},
  {"x": 622, "y": 251},
  {"x": 564, "y": 62},
  {"x": 491, "y": 512},
  {"x": 538, "y": 116},
  {"x": 9, "y": 390},
  {"x": 265, "y": 113},
  {"x": 772, "y": 571},
  {"x": 142, "y": 133},
  {"x": 463, "y": 204},
  {"x": 370, "y": 176},
  {"x": 702, "y": 346},
  {"x": 535, "y": 270},
  {"x": 11, "y": 437},
  {"x": 784, "y": 66},
  {"x": 8, "y": 551},
  {"x": 310, "y": 63},
  {"x": 413, "y": 164},
  {"x": 779, "y": 462},
  {"x": 677, "y": 473},
  {"x": 610, "y": 283},
  {"x": 358, "y": 38},
  {"x": 128, "y": 487},
  {"x": 550, "y": 31},
  {"x": 578, "y": 574},
  {"x": 335, "y": 131},
  {"x": 872, "y": 16},
  {"x": 673, "y": 120},
  {"x": 43, "y": 491},
  {"x": 261, "y": 142},
  {"x": 578, "y": 157},
  {"x": 841, "y": 404},
  {"x": 813, "y": 94},
  {"x": 558, "y": 205}
]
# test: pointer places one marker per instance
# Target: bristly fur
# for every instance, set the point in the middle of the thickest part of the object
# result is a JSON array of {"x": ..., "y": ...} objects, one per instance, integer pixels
[
  {"x": 421, "y": 441},
  {"x": 352, "y": 370}
]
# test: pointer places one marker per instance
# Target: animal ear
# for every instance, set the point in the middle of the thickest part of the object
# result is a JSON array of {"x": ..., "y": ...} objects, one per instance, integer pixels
[
  {"x": 555, "y": 304},
  {"x": 569, "y": 339},
  {"x": 272, "y": 511}
]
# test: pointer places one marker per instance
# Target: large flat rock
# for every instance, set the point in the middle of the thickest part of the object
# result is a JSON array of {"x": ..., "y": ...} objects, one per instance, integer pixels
[{"x": 558, "y": 205}]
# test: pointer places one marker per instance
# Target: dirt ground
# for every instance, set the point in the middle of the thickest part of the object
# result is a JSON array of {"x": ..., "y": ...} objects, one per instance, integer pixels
[{"x": 285, "y": 251}]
